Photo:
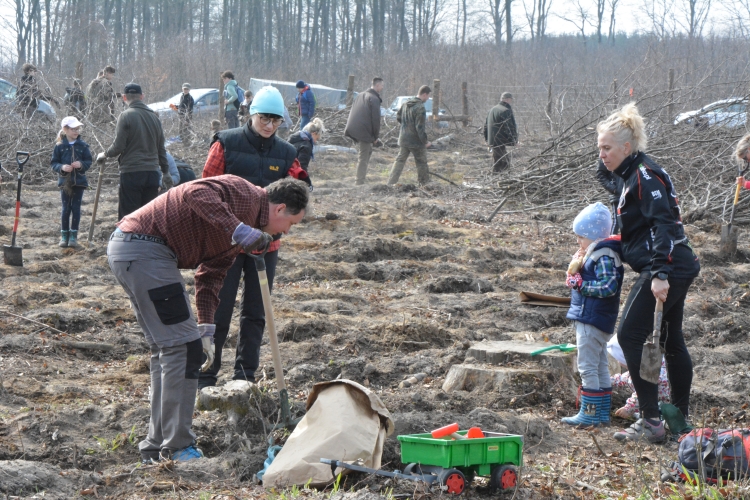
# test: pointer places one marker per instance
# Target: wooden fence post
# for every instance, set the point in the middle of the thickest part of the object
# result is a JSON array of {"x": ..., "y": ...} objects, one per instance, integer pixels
[
  {"x": 670, "y": 108},
  {"x": 435, "y": 100},
  {"x": 79, "y": 72},
  {"x": 465, "y": 102},
  {"x": 616, "y": 99},
  {"x": 222, "y": 118},
  {"x": 350, "y": 91}
]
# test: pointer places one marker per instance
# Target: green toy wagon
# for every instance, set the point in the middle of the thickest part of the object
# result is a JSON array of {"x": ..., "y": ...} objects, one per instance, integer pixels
[{"x": 451, "y": 463}]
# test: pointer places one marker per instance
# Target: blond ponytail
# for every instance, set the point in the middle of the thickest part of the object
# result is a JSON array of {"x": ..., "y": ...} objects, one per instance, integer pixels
[
  {"x": 740, "y": 153},
  {"x": 60, "y": 135},
  {"x": 626, "y": 125}
]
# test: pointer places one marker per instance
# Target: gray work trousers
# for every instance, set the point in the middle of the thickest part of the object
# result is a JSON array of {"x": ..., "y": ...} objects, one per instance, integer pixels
[
  {"x": 148, "y": 272},
  {"x": 420, "y": 158},
  {"x": 365, "y": 151}
]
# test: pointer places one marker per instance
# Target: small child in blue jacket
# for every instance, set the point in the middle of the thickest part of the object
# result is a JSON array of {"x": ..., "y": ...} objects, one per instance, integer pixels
[
  {"x": 70, "y": 160},
  {"x": 595, "y": 279}
]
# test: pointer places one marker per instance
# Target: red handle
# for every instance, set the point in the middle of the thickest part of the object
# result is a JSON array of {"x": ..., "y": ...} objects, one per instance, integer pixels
[
  {"x": 445, "y": 431},
  {"x": 18, "y": 212}
]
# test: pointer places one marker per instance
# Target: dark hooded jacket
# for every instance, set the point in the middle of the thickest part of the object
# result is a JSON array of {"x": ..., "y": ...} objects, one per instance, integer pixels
[
  {"x": 303, "y": 143},
  {"x": 411, "y": 115}
]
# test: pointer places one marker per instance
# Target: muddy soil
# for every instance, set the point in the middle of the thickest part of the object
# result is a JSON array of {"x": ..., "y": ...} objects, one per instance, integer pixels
[{"x": 377, "y": 283}]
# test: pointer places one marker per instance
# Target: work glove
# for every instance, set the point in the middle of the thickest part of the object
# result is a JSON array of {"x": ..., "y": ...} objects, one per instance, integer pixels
[
  {"x": 574, "y": 281},
  {"x": 209, "y": 349},
  {"x": 166, "y": 181},
  {"x": 101, "y": 157},
  {"x": 251, "y": 239}
]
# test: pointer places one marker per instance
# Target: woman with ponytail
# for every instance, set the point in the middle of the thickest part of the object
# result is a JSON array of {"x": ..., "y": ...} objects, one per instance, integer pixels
[{"x": 655, "y": 246}]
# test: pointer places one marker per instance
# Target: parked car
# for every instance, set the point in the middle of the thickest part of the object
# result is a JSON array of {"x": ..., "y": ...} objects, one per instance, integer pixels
[
  {"x": 398, "y": 101},
  {"x": 206, "y": 103},
  {"x": 8, "y": 98},
  {"x": 730, "y": 113}
]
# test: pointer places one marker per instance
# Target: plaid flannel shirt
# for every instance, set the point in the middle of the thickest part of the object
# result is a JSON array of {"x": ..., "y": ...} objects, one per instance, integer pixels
[{"x": 606, "y": 283}]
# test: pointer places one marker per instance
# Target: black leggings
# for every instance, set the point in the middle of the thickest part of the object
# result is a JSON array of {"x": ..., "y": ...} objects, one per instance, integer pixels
[{"x": 637, "y": 324}]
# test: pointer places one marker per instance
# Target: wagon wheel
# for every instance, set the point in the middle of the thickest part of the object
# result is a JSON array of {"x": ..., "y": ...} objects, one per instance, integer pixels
[
  {"x": 453, "y": 481},
  {"x": 503, "y": 477}
]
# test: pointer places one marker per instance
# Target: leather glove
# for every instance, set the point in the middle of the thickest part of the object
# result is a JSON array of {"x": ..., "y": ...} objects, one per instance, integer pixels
[
  {"x": 101, "y": 157},
  {"x": 209, "y": 349},
  {"x": 574, "y": 281},
  {"x": 166, "y": 181},
  {"x": 251, "y": 239}
]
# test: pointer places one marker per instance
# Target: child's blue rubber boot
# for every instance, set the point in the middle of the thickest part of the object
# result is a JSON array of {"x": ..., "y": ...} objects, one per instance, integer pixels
[{"x": 591, "y": 403}]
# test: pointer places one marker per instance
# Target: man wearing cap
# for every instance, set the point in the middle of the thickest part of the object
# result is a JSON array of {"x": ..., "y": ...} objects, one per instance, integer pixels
[
  {"x": 101, "y": 97},
  {"x": 256, "y": 154},
  {"x": 305, "y": 103},
  {"x": 200, "y": 225},
  {"x": 140, "y": 152},
  {"x": 500, "y": 131},
  {"x": 185, "y": 110}
]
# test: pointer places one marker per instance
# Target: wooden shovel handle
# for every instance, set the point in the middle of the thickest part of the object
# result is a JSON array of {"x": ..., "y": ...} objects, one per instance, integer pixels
[{"x": 658, "y": 314}]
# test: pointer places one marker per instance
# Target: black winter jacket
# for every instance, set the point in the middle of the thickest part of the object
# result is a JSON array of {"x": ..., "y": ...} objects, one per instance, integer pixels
[
  {"x": 65, "y": 154},
  {"x": 653, "y": 237},
  {"x": 303, "y": 143},
  {"x": 254, "y": 158}
]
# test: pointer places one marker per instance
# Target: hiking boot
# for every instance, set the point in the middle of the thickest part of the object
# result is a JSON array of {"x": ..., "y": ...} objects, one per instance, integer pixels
[
  {"x": 73, "y": 238},
  {"x": 641, "y": 429},
  {"x": 64, "y": 236},
  {"x": 606, "y": 408},
  {"x": 189, "y": 453},
  {"x": 588, "y": 416}
]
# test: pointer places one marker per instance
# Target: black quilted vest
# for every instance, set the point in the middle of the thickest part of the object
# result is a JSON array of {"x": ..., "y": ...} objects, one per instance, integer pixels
[{"x": 255, "y": 159}]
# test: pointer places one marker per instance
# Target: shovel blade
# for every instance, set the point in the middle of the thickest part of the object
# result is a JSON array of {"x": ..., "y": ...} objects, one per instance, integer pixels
[
  {"x": 651, "y": 363},
  {"x": 13, "y": 256}
]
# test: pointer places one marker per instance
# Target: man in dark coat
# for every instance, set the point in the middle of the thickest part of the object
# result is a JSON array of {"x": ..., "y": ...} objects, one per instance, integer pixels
[
  {"x": 500, "y": 131},
  {"x": 412, "y": 137},
  {"x": 363, "y": 125},
  {"x": 139, "y": 148}
]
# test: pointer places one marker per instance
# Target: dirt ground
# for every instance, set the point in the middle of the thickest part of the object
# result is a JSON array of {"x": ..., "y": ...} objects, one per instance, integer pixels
[{"x": 377, "y": 283}]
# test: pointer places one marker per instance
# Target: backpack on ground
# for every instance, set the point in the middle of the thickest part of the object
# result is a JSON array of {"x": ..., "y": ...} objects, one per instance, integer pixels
[{"x": 713, "y": 453}]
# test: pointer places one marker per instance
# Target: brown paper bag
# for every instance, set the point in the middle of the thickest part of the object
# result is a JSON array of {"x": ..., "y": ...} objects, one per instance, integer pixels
[{"x": 344, "y": 421}]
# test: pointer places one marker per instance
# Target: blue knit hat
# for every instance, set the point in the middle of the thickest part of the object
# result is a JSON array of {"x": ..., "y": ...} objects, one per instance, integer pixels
[
  {"x": 594, "y": 222},
  {"x": 268, "y": 101},
  {"x": 300, "y": 84}
]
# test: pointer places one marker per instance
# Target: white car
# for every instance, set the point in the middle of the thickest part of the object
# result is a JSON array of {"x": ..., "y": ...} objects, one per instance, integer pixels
[
  {"x": 400, "y": 100},
  {"x": 206, "y": 103},
  {"x": 730, "y": 113}
]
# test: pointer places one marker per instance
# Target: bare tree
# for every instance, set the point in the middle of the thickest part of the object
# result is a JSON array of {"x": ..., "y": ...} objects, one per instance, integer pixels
[
  {"x": 695, "y": 16},
  {"x": 497, "y": 11},
  {"x": 660, "y": 14},
  {"x": 578, "y": 17},
  {"x": 536, "y": 16},
  {"x": 612, "y": 19}
]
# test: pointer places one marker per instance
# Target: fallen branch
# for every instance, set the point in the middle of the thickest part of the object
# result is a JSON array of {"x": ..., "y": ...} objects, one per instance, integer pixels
[
  {"x": 446, "y": 180},
  {"x": 497, "y": 209},
  {"x": 33, "y": 321},
  {"x": 86, "y": 346}
]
